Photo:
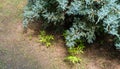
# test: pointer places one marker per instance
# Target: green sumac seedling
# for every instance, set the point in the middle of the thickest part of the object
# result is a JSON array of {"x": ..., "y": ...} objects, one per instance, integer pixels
[
  {"x": 73, "y": 59},
  {"x": 76, "y": 50},
  {"x": 46, "y": 39},
  {"x": 83, "y": 18}
]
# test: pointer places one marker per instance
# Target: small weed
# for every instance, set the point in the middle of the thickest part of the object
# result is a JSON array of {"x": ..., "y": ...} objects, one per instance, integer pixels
[
  {"x": 30, "y": 37},
  {"x": 76, "y": 50},
  {"x": 46, "y": 39},
  {"x": 73, "y": 51},
  {"x": 73, "y": 59}
]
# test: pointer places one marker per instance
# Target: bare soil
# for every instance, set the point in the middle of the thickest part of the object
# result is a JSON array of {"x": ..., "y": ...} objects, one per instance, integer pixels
[{"x": 20, "y": 51}]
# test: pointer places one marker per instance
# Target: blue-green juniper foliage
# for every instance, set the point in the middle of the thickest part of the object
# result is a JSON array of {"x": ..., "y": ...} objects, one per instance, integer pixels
[{"x": 87, "y": 17}]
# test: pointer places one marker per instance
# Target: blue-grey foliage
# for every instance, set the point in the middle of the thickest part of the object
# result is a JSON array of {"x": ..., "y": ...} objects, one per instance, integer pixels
[{"x": 88, "y": 15}]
